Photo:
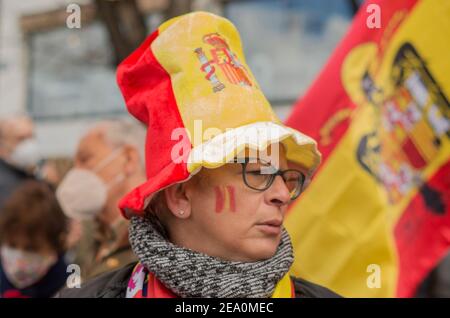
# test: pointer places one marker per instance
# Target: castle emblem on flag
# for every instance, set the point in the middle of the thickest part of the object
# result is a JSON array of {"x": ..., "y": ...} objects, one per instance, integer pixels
[
  {"x": 223, "y": 58},
  {"x": 411, "y": 127}
]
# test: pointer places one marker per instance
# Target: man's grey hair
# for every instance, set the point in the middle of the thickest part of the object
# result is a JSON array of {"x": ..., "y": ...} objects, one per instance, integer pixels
[{"x": 121, "y": 132}]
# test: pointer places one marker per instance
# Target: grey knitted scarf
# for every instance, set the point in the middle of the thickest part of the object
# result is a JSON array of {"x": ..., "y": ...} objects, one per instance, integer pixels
[{"x": 191, "y": 274}]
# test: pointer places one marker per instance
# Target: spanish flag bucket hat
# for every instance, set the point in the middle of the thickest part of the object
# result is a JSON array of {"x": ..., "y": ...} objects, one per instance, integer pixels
[{"x": 190, "y": 85}]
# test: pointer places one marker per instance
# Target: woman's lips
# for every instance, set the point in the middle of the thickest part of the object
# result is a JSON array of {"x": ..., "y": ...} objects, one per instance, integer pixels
[{"x": 272, "y": 227}]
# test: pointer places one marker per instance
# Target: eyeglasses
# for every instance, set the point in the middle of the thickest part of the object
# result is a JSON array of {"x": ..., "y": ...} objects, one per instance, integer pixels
[{"x": 260, "y": 176}]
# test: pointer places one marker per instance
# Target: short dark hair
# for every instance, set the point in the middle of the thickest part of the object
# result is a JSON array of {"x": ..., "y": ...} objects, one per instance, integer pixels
[{"x": 33, "y": 210}]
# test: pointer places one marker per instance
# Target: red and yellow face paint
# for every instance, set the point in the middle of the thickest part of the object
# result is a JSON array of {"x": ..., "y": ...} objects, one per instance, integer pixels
[{"x": 225, "y": 198}]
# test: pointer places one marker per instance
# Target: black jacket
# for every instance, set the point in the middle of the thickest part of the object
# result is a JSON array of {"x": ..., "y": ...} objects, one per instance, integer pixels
[
  {"x": 114, "y": 285},
  {"x": 10, "y": 178}
]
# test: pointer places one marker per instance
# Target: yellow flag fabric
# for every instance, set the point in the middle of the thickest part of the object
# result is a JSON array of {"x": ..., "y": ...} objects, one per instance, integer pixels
[{"x": 375, "y": 220}]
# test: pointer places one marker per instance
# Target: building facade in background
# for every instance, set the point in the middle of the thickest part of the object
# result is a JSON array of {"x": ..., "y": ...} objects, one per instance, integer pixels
[{"x": 65, "y": 78}]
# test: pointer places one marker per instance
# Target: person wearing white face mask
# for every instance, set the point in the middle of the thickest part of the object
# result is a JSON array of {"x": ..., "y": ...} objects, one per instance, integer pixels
[
  {"x": 19, "y": 153},
  {"x": 33, "y": 232},
  {"x": 107, "y": 164}
]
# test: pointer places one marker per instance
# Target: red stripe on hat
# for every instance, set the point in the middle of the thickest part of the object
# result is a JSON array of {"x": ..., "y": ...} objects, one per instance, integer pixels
[{"x": 147, "y": 90}]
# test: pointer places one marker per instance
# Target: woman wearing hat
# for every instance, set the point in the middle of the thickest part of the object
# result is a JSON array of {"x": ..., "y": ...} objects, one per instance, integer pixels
[{"x": 221, "y": 169}]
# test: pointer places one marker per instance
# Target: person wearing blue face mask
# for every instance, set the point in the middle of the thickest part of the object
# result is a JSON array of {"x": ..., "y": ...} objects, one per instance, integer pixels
[
  {"x": 33, "y": 233},
  {"x": 108, "y": 162}
]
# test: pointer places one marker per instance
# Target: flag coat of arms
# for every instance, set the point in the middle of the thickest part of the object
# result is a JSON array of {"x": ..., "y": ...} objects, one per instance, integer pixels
[{"x": 376, "y": 218}]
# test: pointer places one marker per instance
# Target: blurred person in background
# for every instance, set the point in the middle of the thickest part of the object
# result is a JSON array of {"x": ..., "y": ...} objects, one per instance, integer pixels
[
  {"x": 33, "y": 243},
  {"x": 19, "y": 153},
  {"x": 53, "y": 170},
  {"x": 108, "y": 164}
]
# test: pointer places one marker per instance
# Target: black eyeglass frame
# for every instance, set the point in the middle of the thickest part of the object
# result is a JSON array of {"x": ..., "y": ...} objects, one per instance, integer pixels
[{"x": 245, "y": 161}]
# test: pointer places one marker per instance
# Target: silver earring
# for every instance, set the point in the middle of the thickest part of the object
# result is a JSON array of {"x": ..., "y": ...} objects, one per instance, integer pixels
[{"x": 181, "y": 212}]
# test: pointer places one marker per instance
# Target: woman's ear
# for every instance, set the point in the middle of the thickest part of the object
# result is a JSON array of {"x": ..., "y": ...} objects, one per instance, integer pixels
[{"x": 177, "y": 201}]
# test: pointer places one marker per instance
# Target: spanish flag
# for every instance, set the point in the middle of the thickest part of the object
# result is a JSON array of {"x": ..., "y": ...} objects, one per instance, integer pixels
[{"x": 376, "y": 218}]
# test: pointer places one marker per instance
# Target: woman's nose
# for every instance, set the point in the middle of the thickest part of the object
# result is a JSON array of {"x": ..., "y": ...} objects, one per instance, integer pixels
[{"x": 278, "y": 193}]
